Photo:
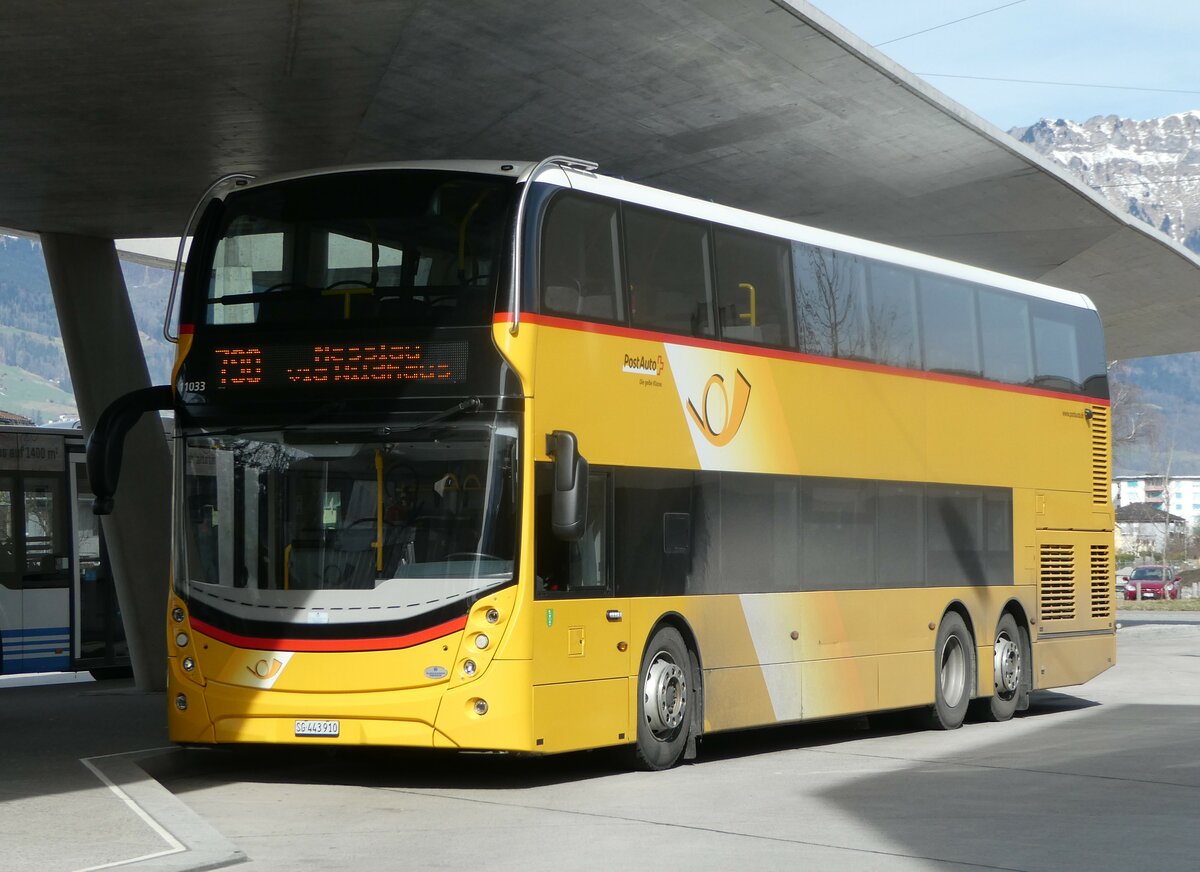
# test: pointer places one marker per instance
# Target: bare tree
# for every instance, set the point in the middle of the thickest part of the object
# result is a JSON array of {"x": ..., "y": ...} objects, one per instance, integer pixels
[
  {"x": 1133, "y": 419},
  {"x": 828, "y": 287}
]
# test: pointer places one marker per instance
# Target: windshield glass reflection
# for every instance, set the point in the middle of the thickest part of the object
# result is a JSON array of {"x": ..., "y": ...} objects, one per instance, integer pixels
[{"x": 342, "y": 510}]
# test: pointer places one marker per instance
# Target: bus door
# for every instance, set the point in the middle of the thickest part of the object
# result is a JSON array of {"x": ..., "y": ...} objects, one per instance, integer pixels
[
  {"x": 581, "y": 632},
  {"x": 11, "y": 589},
  {"x": 34, "y": 554},
  {"x": 98, "y": 642}
]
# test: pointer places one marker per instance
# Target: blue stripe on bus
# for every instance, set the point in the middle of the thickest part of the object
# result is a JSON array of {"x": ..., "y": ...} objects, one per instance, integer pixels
[
  {"x": 34, "y": 631},
  {"x": 37, "y": 664}
]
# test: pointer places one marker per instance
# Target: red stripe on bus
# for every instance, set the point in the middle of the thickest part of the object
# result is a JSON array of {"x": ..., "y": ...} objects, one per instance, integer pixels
[
  {"x": 780, "y": 354},
  {"x": 384, "y": 643},
  {"x": 185, "y": 329}
]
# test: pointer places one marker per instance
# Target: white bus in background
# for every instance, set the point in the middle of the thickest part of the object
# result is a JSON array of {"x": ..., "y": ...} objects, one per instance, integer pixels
[{"x": 58, "y": 609}]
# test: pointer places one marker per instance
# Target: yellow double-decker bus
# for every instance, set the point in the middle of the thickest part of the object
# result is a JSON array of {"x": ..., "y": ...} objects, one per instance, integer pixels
[{"x": 520, "y": 457}]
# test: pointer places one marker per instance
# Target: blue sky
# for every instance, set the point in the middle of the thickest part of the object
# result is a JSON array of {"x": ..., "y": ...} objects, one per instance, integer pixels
[{"x": 1145, "y": 44}]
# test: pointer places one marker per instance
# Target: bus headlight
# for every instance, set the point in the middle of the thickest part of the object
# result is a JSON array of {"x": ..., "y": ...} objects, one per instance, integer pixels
[
  {"x": 469, "y": 668},
  {"x": 482, "y": 641},
  {"x": 181, "y": 702},
  {"x": 481, "y": 707},
  {"x": 177, "y": 614},
  {"x": 181, "y": 639},
  {"x": 492, "y": 616},
  {"x": 188, "y": 664}
]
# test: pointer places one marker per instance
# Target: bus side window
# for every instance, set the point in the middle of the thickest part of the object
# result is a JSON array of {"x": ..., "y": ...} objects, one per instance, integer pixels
[
  {"x": 949, "y": 325},
  {"x": 580, "y": 268},
  {"x": 893, "y": 316},
  {"x": 830, "y": 302},
  {"x": 1056, "y": 347},
  {"x": 754, "y": 288},
  {"x": 1007, "y": 348},
  {"x": 670, "y": 284},
  {"x": 574, "y": 568}
]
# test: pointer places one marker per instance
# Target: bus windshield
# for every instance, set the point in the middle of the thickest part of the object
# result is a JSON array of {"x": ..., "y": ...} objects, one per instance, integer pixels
[
  {"x": 414, "y": 247},
  {"x": 371, "y": 519}
]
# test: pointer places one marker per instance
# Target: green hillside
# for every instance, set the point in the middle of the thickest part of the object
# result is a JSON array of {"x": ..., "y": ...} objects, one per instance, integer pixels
[
  {"x": 34, "y": 379},
  {"x": 33, "y": 396}
]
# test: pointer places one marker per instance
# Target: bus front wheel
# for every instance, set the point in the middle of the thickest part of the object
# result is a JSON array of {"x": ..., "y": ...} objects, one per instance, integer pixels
[
  {"x": 664, "y": 700},
  {"x": 954, "y": 672}
]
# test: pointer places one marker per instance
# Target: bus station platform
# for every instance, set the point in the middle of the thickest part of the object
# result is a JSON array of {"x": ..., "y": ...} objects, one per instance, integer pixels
[{"x": 73, "y": 794}]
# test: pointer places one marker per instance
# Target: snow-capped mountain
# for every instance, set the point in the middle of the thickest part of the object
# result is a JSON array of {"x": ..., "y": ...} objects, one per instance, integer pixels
[{"x": 1150, "y": 168}]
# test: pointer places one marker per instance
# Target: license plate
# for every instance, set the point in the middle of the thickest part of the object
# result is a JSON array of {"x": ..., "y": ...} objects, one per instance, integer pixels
[{"x": 317, "y": 728}]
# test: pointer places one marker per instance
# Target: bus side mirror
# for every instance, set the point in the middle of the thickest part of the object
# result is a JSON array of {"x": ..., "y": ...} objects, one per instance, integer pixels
[
  {"x": 106, "y": 444},
  {"x": 568, "y": 513}
]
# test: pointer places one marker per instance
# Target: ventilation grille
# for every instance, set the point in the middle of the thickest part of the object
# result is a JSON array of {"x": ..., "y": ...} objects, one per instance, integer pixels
[
  {"x": 1057, "y": 583},
  {"x": 1101, "y": 457},
  {"x": 1103, "y": 591}
]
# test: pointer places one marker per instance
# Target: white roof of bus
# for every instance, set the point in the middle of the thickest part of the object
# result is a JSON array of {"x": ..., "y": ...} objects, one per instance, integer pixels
[{"x": 645, "y": 196}]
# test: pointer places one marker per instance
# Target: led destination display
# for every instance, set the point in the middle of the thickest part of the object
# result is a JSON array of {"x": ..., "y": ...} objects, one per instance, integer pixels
[{"x": 250, "y": 366}]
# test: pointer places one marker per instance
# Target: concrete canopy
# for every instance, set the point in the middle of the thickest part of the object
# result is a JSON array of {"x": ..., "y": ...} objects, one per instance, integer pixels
[{"x": 113, "y": 119}]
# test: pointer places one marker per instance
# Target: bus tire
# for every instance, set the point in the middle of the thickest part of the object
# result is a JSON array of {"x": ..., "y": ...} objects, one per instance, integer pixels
[
  {"x": 665, "y": 696},
  {"x": 1010, "y": 662},
  {"x": 953, "y": 672}
]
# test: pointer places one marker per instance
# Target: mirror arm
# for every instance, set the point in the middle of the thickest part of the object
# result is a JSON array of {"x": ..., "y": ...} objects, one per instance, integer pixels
[{"x": 106, "y": 444}]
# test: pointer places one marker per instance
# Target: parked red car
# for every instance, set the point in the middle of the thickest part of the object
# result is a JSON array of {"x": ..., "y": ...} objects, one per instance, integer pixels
[{"x": 1155, "y": 583}]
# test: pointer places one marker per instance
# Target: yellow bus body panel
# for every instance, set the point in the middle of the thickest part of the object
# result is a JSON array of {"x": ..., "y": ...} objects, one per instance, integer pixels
[{"x": 564, "y": 673}]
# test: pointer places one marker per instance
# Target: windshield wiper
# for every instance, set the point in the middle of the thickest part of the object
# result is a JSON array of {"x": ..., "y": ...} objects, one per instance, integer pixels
[
  {"x": 319, "y": 414},
  {"x": 470, "y": 404},
  {"x": 285, "y": 290},
  {"x": 325, "y": 411}
]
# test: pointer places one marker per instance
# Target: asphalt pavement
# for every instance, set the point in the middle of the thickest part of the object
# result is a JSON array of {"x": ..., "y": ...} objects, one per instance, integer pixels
[{"x": 1102, "y": 777}]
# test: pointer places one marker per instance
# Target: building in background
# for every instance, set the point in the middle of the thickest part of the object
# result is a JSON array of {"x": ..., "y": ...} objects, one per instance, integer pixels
[
  {"x": 1178, "y": 494},
  {"x": 1146, "y": 530}
]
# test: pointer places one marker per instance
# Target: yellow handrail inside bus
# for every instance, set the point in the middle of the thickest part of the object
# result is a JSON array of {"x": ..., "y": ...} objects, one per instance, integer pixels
[
  {"x": 462, "y": 231},
  {"x": 378, "y": 543},
  {"x": 346, "y": 293},
  {"x": 287, "y": 563},
  {"x": 752, "y": 315}
]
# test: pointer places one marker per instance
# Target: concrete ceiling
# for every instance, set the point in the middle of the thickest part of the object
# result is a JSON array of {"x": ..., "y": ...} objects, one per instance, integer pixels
[{"x": 115, "y": 115}]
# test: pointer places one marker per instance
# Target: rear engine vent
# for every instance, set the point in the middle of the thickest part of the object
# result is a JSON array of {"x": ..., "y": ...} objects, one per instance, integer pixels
[
  {"x": 1057, "y": 583},
  {"x": 1103, "y": 584},
  {"x": 1101, "y": 457}
]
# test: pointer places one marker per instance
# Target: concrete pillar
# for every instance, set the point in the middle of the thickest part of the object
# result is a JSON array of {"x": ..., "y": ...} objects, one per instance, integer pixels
[{"x": 105, "y": 357}]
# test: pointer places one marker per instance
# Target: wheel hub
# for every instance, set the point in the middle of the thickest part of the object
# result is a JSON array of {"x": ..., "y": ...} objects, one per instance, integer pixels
[
  {"x": 1007, "y": 663},
  {"x": 953, "y": 672},
  {"x": 665, "y": 692}
]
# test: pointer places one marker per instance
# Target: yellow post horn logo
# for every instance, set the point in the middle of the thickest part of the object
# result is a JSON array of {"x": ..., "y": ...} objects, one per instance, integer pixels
[
  {"x": 264, "y": 671},
  {"x": 734, "y": 414}
]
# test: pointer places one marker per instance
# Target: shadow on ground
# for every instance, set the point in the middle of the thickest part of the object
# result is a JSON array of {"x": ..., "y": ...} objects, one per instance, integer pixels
[
  {"x": 1115, "y": 790},
  {"x": 186, "y": 769}
]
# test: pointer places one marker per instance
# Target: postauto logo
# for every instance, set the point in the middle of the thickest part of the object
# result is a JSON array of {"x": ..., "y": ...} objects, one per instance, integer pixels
[
  {"x": 645, "y": 364},
  {"x": 720, "y": 429}
]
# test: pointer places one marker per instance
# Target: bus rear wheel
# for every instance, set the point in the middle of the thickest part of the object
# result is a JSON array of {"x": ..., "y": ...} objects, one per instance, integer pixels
[
  {"x": 664, "y": 701},
  {"x": 954, "y": 672},
  {"x": 1009, "y": 665}
]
